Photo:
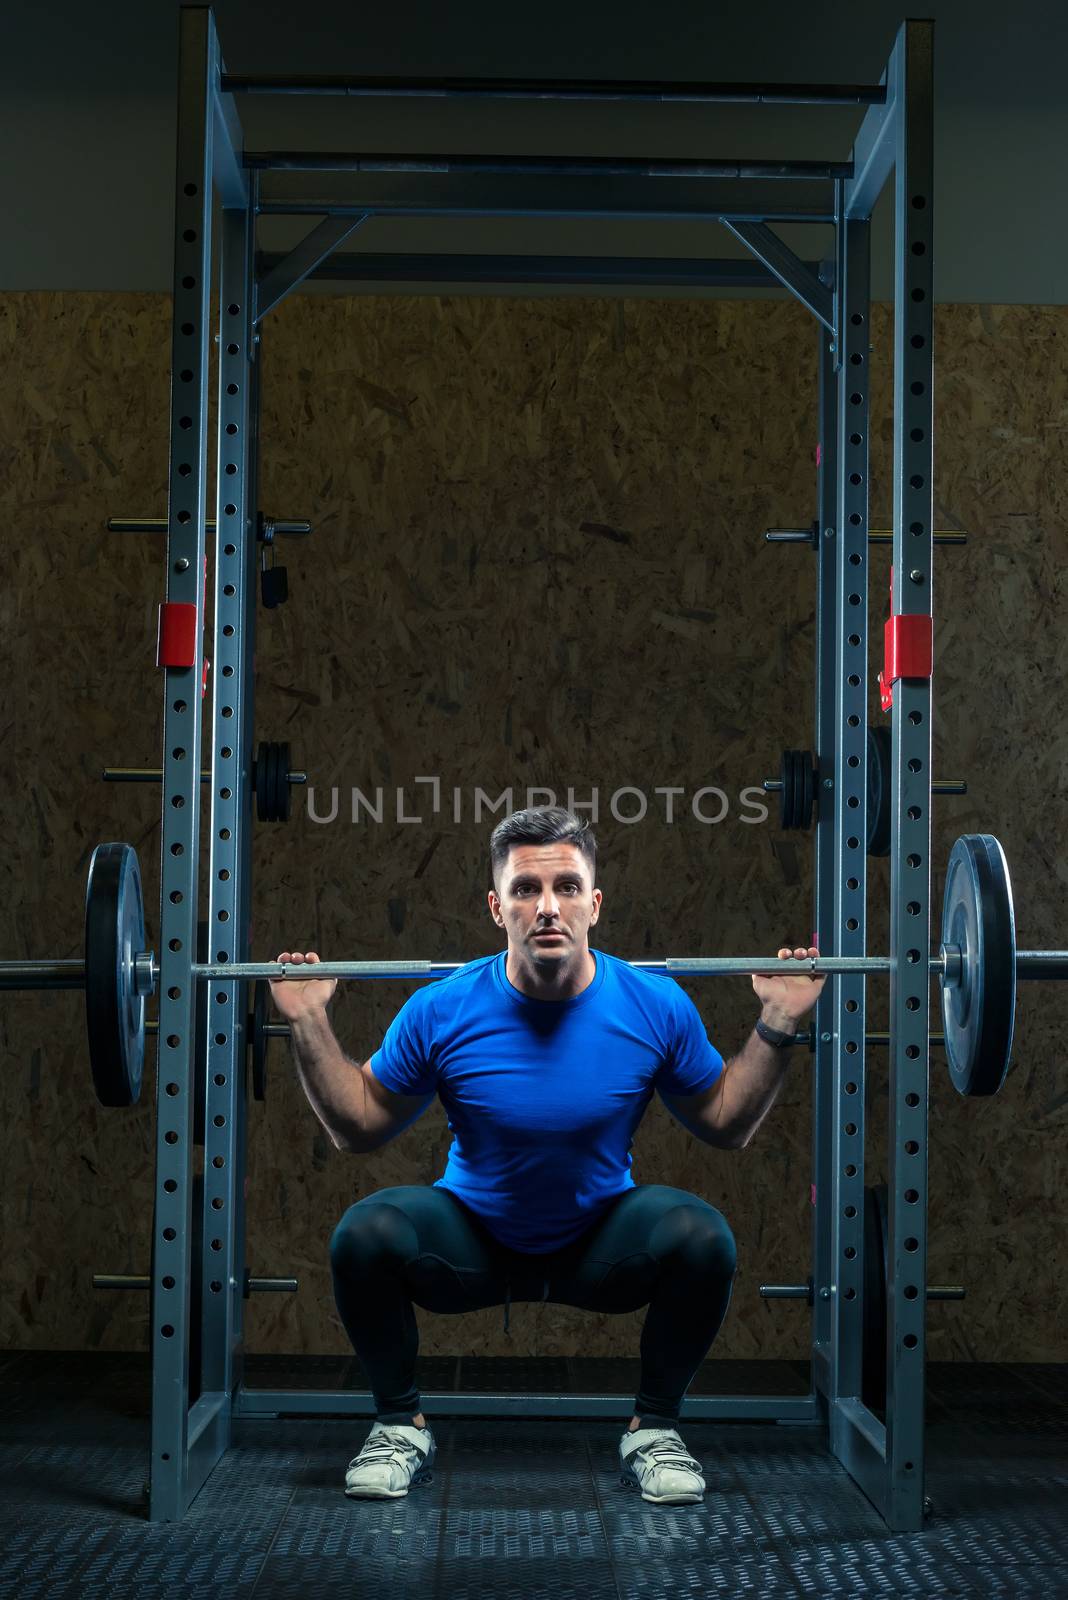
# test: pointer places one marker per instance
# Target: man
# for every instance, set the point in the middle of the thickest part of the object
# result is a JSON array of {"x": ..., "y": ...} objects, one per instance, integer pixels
[{"x": 545, "y": 1057}]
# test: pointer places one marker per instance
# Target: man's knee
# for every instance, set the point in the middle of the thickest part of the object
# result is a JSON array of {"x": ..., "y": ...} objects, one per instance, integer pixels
[
  {"x": 365, "y": 1234},
  {"x": 708, "y": 1242}
]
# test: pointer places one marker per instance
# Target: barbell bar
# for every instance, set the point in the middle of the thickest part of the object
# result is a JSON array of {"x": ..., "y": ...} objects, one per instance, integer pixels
[
  {"x": 977, "y": 965},
  {"x": 1043, "y": 965}
]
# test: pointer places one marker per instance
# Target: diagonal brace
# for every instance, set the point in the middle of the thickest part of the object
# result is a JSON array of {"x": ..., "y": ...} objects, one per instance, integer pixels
[
  {"x": 302, "y": 260},
  {"x": 790, "y": 270}
]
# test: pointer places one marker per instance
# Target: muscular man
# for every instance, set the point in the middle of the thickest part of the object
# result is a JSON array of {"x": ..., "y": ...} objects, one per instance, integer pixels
[{"x": 545, "y": 1058}]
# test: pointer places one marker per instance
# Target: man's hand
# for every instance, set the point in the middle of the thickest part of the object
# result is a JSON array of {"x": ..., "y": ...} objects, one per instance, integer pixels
[
  {"x": 296, "y": 999},
  {"x": 788, "y": 999}
]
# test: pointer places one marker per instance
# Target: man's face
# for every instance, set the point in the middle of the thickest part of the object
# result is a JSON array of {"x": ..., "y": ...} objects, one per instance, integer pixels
[{"x": 546, "y": 902}]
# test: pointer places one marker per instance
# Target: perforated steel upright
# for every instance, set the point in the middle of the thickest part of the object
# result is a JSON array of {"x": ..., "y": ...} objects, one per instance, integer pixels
[
  {"x": 186, "y": 1441},
  {"x": 823, "y": 1020},
  {"x": 231, "y": 761},
  {"x": 888, "y": 1461},
  {"x": 910, "y": 834},
  {"x": 850, "y": 557}
]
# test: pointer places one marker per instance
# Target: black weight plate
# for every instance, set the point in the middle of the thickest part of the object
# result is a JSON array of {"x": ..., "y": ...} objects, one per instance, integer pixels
[
  {"x": 264, "y": 789},
  {"x": 258, "y": 1038},
  {"x": 274, "y": 765},
  {"x": 261, "y": 781},
  {"x": 789, "y": 811},
  {"x": 879, "y": 791},
  {"x": 979, "y": 1011},
  {"x": 790, "y": 802},
  {"x": 114, "y": 935},
  {"x": 785, "y": 791},
  {"x": 272, "y": 780},
  {"x": 808, "y": 787},
  {"x": 873, "y": 1352},
  {"x": 283, "y": 782}
]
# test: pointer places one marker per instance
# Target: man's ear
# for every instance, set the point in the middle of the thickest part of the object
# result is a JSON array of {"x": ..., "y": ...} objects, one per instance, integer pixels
[{"x": 494, "y": 907}]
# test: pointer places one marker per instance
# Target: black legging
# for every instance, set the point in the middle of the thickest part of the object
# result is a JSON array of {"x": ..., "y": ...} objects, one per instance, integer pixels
[{"x": 652, "y": 1245}]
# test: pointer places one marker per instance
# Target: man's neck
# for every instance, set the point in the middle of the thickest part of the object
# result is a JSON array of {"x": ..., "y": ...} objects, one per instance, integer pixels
[{"x": 563, "y": 984}]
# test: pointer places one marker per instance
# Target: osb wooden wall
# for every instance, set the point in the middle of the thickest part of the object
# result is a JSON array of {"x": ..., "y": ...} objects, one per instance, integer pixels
[{"x": 538, "y": 560}]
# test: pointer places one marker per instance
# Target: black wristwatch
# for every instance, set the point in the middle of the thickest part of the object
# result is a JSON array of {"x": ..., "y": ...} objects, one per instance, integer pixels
[{"x": 772, "y": 1036}]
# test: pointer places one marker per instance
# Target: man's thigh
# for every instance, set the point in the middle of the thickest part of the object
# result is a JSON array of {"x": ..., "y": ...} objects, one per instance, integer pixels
[
  {"x": 614, "y": 1267},
  {"x": 450, "y": 1260}
]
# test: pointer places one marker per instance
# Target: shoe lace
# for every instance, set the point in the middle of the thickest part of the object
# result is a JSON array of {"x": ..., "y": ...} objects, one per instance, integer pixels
[
  {"x": 662, "y": 1453},
  {"x": 383, "y": 1444}
]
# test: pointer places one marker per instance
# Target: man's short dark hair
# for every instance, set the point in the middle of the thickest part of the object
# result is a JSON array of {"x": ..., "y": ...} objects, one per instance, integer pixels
[{"x": 542, "y": 825}]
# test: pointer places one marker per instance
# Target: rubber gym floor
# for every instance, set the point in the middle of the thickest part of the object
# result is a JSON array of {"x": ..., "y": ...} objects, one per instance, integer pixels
[{"x": 522, "y": 1509}]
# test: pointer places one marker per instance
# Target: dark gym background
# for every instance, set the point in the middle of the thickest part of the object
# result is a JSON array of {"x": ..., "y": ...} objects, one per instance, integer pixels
[{"x": 538, "y": 559}]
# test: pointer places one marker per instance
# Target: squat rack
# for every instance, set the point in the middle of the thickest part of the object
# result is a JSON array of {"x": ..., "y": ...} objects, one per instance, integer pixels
[{"x": 197, "y": 1361}]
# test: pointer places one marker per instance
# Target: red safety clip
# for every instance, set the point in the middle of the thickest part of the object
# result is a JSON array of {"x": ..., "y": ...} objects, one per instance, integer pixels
[
  {"x": 908, "y": 649},
  {"x": 176, "y": 634}
]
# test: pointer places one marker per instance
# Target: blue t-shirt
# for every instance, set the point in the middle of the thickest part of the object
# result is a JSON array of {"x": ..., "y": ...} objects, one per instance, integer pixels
[{"x": 543, "y": 1096}]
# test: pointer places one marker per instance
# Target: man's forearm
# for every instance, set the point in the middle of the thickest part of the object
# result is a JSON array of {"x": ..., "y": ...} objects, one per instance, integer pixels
[
  {"x": 751, "y": 1082},
  {"x": 333, "y": 1084}
]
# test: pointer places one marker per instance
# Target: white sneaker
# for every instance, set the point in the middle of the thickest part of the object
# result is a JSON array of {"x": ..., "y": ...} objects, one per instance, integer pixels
[
  {"x": 394, "y": 1458},
  {"x": 656, "y": 1461}
]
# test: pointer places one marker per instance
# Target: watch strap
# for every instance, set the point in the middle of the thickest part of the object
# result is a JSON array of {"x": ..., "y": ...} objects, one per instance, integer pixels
[{"x": 772, "y": 1036}]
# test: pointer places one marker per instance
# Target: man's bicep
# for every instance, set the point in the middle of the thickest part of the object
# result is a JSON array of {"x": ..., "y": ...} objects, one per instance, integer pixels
[
  {"x": 385, "y": 1113},
  {"x": 700, "y": 1114}
]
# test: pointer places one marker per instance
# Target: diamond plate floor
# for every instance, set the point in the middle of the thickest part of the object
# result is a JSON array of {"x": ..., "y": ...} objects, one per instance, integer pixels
[{"x": 523, "y": 1509}]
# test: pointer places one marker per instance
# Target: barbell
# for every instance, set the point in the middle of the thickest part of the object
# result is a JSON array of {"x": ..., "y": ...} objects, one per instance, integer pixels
[{"x": 977, "y": 966}]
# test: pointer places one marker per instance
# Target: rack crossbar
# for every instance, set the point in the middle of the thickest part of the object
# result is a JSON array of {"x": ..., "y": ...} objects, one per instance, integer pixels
[
  {"x": 541, "y": 166},
  {"x": 798, "y": 94}
]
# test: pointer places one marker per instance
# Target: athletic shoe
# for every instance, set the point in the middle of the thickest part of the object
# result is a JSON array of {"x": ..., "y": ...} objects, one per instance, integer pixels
[
  {"x": 394, "y": 1458},
  {"x": 655, "y": 1461}
]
